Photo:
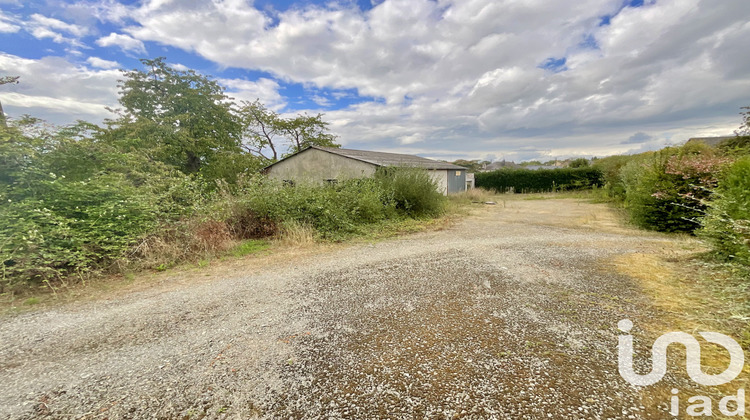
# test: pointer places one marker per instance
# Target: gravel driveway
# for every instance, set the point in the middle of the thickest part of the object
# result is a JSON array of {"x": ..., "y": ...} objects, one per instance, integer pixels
[{"x": 510, "y": 313}]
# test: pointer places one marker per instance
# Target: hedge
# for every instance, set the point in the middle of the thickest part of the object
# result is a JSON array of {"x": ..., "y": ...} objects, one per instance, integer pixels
[{"x": 542, "y": 180}]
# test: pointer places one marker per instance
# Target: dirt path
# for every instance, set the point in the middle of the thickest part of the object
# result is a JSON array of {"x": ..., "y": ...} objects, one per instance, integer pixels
[{"x": 511, "y": 313}]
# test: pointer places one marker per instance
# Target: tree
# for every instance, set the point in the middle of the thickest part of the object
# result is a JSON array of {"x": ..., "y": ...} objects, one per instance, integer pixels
[
  {"x": 260, "y": 128},
  {"x": 304, "y": 131},
  {"x": 531, "y": 163},
  {"x": 4, "y": 80},
  {"x": 579, "y": 163},
  {"x": 184, "y": 116},
  {"x": 265, "y": 129}
]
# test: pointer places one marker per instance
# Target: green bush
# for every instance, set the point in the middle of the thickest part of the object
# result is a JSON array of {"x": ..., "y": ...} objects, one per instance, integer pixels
[
  {"x": 333, "y": 210},
  {"x": 70, "y": 227},
  {"x": 542, "y": 180},
  {"x": 667, "y": 190},
  {"x": 69, "y": 207},
  {"x": 650, "y": 194},
  {"x": 258, "y": 204},
  {"x": 735, "y": 146},
  {"x": 411, "y": 190},
  {"x": 610, "y": 168},
  {"x": 579, "y": 163},
  {"x": 726, "y": 225}
]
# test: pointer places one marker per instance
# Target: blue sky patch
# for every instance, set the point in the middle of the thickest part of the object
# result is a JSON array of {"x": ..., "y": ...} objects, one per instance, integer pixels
[
  {"x": 555, "y": 65},
  {"x": 589, "y": 42},
  {"x": 607, "y": 19}
]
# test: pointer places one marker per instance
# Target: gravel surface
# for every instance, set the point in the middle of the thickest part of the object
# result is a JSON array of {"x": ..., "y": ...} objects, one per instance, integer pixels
[{"x": 511, "y": 313}]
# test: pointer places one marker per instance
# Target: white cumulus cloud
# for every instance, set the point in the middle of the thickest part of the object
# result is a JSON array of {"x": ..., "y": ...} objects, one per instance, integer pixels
[
  {"x": 58, "y": 90},
  {"x": 124, "y": 42},
  {"x": 102, "y": 63}
]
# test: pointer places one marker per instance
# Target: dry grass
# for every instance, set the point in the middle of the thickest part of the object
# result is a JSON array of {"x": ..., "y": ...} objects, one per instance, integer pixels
[
  {"x": 473, "y": 195},
  {"x": 190, "y": 241},
  {"x": 685, "y": 294},
  {"x": 296, "y": 235}
]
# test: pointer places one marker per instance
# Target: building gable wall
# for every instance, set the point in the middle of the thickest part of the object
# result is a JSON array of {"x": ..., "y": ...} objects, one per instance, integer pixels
[{"x": 317, "y": 166}]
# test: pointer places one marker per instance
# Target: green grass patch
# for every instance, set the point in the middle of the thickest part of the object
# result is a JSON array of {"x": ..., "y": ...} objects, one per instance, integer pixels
[
  {"x": 31, "y": 301},
  {"x": 248, "y": 247}
]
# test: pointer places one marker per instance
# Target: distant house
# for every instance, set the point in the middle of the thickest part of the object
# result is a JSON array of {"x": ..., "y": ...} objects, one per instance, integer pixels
[
  {"x": 711, "y": 141},
  {"x": 538, "y": 167},
  {"x": 328, "y": 164},
  {"x": 500, "y": 164}
]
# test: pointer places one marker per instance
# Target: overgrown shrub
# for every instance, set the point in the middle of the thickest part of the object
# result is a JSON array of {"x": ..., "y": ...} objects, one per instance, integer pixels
[
  {"x": 411, "y": 190},
  {"x": 726, "y": 225},
  {"x": 258, "y": 207},
  {"x": 333, "y": 210},
  {"x": 70, "y": 226},
  {"x": 735, "y": 146},
  {"x": 542, "y": 180},
  {"x": 579, "y": 163},
  {"x": 71, "y": 205},
  {"x": 611, "y": 168},
  {"x": 651, "y": 195},
  {"x": 665, "y": 190}
]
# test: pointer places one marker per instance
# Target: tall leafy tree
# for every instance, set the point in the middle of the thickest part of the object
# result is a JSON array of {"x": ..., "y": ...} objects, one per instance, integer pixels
[
  {"x": 4, "y": 80},
  {"x": 305, "y": 130},
  {"x": 265, "y": 131},
  {"x": 262, "y": 129},
  {"x": 185, "y": 117},
  {"x": 579, "y": 163}
]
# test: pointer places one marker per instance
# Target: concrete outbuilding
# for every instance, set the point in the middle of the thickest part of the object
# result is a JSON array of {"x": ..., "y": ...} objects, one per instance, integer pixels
[{"x": 327, "y": 164}]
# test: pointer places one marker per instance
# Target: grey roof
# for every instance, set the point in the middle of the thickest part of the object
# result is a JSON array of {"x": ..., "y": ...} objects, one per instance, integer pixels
[
  {"x": 711, "y": 141},
  {"x": 390, "y": 159}
]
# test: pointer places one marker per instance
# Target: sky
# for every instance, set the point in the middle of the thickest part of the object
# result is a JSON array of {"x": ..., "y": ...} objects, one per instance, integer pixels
[{"x": 466, "y": 79}]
